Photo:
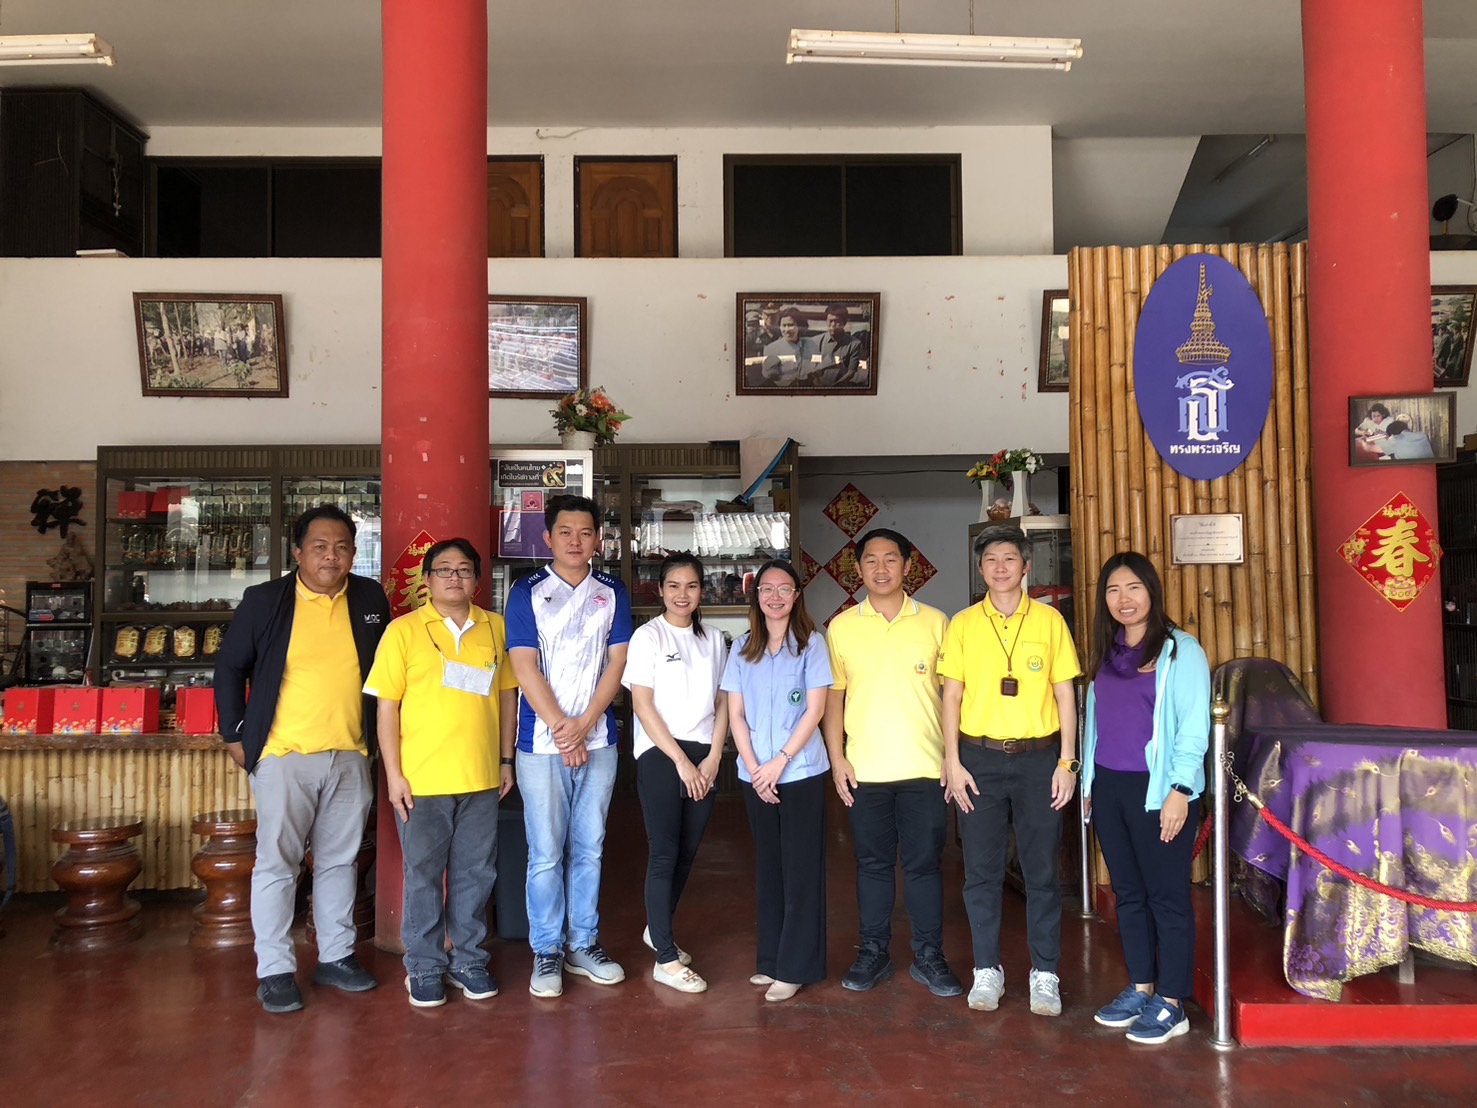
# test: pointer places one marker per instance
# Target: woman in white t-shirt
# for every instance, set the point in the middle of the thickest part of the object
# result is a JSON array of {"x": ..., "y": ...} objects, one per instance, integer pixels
[{"x": 673, "y": 666}]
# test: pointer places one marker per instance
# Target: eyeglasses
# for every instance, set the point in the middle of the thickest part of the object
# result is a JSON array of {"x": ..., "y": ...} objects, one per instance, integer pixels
[
  {"x": 443, "y": 572},
  {"x": 776, "y": 590}
]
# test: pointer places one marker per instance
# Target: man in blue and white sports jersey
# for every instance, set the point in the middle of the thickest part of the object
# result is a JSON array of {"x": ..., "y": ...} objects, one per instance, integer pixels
[{"x": 568, "y": 627}]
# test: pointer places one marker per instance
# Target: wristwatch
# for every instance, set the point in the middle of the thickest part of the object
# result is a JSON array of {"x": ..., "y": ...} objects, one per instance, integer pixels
[
  {"x": 1183, "y": 790},
  {"x": 1071, "y": 765},
  {"x": 507, "y": 761}
]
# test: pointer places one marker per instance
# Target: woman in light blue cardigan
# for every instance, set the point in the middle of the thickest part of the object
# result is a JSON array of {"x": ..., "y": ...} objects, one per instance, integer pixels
[{"x": 1143, "y": 770}]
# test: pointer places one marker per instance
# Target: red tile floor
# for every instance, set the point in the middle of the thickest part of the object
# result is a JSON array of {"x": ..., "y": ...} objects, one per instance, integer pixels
[{"x": 159, "y": 1023}]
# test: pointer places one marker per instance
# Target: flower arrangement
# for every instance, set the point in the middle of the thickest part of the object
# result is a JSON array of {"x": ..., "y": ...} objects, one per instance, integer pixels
[
  {"x": 1003, "y": 463},
  {"x": 589, "y": 410}
]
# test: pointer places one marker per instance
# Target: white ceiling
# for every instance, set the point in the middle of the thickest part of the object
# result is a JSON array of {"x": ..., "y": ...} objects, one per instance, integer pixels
[{"x": 1151, "y": 67}]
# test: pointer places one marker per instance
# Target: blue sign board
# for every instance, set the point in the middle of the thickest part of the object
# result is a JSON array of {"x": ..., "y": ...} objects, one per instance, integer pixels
[{"x": 1202, "y": 366}]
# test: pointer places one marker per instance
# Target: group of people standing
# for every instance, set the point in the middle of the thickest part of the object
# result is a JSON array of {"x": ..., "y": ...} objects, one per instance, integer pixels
[{"x": 897, "y": 707}]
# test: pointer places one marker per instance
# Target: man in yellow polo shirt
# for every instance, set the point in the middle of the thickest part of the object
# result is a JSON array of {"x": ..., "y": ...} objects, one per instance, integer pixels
[
  {"x": 447, "y": 704},
  {"x": 304, "y": 643},
  {"x": 883, "y": 734},
  {"x": 1010, "y": 758}
]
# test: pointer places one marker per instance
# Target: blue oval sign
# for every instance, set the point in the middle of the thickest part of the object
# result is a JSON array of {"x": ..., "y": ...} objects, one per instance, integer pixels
[{"x": 1202, "y": 366}]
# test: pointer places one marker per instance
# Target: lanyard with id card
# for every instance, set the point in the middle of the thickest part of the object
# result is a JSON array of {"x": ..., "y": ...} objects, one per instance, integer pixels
[{"x": 459, "y": 675}]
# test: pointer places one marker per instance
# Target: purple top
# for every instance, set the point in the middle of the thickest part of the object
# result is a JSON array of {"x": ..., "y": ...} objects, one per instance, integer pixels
[{"x": 1125, "y": 709}]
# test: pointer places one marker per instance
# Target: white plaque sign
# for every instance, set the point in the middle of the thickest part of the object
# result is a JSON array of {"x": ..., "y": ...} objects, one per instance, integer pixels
[{"x": 1206, "y": 539}]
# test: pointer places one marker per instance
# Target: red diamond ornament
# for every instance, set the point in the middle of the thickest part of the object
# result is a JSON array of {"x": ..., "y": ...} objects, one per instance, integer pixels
[
  {"x": 850, "y": 510},
  {"x": 842, "y": 567},
  {"x": 920, "y": 573},
  {"x": 849, "y": 602},
  {"x": 1396, "y": 551},
  {"x": 810, "y": 569}
]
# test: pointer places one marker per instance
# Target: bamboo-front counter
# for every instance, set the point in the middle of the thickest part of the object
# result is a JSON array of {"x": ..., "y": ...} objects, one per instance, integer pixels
[{"x": 164, "y": 779}]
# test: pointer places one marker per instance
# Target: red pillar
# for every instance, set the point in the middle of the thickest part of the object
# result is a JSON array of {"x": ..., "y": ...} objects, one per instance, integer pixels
[
  {"x": 1369, "y": 320},
  {"x": 434, "y": 395}
]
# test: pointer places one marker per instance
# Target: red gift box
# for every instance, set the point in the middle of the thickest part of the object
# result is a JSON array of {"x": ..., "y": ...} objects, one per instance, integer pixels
[
  {"x": 166, "y": 495},
  {"x": 194, "y": 712},
  {"x": 130, "y": 710},
  {"x": 77, "y": 711},
  {"x": 133, "y": 505},
  {"x": 29, "y": 711}
]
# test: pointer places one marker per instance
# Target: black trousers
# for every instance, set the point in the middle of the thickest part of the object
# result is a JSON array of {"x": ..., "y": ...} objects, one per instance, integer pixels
[
  {"x": 908, "y": 818},
  {"x": 674, "y": 830},
  {"x": 1151, "y": 882},
  {"x": 790, "y": 879},
  {"x": 1015, "y": 790}
]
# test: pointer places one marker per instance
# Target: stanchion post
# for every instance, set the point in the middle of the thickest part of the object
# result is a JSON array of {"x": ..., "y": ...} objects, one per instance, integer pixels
[
  {"x": 1220, "y": 711},
  {"x": 1089, "y": 907}
]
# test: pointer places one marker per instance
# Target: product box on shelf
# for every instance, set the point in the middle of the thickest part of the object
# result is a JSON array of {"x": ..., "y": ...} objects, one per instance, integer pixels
[
  {"x": 134, "y": 505},
  {"x": 78, "y": 710},
  {"x": 29, "y": 711},
  {"x": 194, "y": 711},
  {"x": 130, "y": 710}
]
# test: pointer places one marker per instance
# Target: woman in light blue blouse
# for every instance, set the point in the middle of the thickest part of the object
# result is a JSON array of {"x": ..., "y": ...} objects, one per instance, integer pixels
[{"x": 776, "y": 680}]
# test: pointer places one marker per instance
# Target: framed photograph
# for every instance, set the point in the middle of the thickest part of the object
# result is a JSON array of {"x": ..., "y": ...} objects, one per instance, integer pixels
[
  {"x": 1056, "y": 338},
  {"x": 211, "y": 344},
  {"x": 807, "y": 344},
  {"x": 1451, "y": 334},
  {"x": 536, "y": 346},
  {"x": 1402, "y": 430}
]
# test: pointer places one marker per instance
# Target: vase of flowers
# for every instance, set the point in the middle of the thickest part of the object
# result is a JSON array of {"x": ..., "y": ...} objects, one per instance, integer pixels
[
  {"x": 587, "y": 418},
  {"x": 1003, "y": 466}
]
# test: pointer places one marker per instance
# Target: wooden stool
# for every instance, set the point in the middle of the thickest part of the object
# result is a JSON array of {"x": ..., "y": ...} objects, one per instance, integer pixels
[
  {"x": 94, "y": 872},
  {"x": 224, "y": 866},
  {"x": 364, "y": 887}
]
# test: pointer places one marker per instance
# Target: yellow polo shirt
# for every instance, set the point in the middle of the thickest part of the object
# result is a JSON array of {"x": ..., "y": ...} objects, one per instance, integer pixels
[
  {"x": 448, "y": 737},
  {"x": 1042, "y": 655},
  {"x": 889, "y": 672},
  {"x": 319, "y": 706}
]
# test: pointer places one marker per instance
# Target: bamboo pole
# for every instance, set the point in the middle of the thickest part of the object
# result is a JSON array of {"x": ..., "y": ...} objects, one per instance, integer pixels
[
  {"x": 1090, "y": 417},
  {"x": 1103, "y": 379},
  {"x": 1303, "y": 421},
  {"x": 1286, "y": 468},
  {"x": 1138, "y": 520},
  {"x": 1074, "y": 429},
  {"x": 1118, "y": 384}
]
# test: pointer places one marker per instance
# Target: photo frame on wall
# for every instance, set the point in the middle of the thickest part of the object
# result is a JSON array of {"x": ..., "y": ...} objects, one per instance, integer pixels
[
  {"x": 210, "y": 344},
  {"x": 1416, "y": 429},
  {"x": 1055, "y": 371},
  {"x": 536, "y": 346},
  {"x": 807, "y": 343},
  {"x": 1451, "y": 334}
]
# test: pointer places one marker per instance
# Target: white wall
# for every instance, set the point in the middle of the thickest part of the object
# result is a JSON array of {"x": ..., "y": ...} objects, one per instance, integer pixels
[
  {"x": 1006, "y": 171},
  {"x": 1117, "y": 191},
  {"x": 957, "y": 364}
]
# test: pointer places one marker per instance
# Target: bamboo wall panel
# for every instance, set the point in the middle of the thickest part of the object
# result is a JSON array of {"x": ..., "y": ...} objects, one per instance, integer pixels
[
  {"x": 1123, "y": 494},
  {"x": 165, "y": 787}
]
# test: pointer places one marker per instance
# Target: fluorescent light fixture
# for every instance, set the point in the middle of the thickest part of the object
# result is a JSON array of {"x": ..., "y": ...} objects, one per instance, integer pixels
[
  {"x": 906, "y": 48},
  {"x": 53, "y": 49}
]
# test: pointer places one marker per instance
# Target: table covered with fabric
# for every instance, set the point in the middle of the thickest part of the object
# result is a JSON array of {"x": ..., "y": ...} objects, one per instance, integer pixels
[{"x": 1395, "y": 805}]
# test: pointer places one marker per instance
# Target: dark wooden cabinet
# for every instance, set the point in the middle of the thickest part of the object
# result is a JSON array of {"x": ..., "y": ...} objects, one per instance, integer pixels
[
  {"x": 1456, "y": 492},
  {"x": 71, "y": 175}
]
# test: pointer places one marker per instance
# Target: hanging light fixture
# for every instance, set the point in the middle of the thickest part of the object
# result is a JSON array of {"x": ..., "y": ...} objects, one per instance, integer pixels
[{"x": 54, "y": 50}]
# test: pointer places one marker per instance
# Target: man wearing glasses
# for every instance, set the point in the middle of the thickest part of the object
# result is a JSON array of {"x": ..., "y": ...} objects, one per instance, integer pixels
[{"x": 446, "y": 716}]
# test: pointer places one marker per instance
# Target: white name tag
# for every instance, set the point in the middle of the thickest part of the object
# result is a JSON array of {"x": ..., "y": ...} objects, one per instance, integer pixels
[{"x": 455, "y": 675}]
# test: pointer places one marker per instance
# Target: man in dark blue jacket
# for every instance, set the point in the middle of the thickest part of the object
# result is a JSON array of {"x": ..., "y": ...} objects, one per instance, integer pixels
[{"x": 305, "y": 644}]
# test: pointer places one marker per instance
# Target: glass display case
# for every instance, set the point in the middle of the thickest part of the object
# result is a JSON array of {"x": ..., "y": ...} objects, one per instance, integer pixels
[
  {"x": 57, "y": 640},
  {"x": 658, "y": 500},
  {"x": 523, "y": 480},
  {"x": 185, "y": 531}
]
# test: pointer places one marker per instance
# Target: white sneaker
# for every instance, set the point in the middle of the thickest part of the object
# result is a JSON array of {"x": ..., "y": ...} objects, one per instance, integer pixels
[
  {"x": 989, "y": 987},
  {"x": 1046, "y": 996},
  {"x": 594, "y": 963},
  {"x": 682, "y": 955}
]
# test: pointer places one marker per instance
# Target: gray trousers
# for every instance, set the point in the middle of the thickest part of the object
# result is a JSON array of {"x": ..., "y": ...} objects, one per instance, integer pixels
[
  {"x": 302, "y": 801},
  {"x": 450, "y": 848}
]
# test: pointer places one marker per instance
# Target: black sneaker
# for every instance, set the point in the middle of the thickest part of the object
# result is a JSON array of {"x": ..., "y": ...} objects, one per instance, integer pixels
[
  {"x": 929, "y": 968},
  {"x": 346, "y": 974},
  {"x": 278, "y": 993},
  {"x": 871, "y": 966}
]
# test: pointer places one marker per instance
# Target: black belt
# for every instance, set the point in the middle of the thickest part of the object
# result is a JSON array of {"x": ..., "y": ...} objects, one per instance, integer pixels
[{"x": 1013, "y": 746}]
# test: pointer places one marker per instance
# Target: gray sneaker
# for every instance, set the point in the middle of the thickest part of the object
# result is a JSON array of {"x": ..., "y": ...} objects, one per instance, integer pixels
[
  {"x": 989, "y": 987},
  {"x": 548, "y": 975},
  {"x": 594, "y": 963},
  {"x": 1046, "y": 996}
]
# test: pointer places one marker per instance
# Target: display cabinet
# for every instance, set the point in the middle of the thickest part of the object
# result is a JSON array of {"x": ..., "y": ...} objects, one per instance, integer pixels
[
  {"x": 1456, "y": 491},
  {"x": 57, "y": 642},
  {"x": 662, "y": 499},
  {"x": 185, "y": 531},
  {"x": 523, "y": 480}
]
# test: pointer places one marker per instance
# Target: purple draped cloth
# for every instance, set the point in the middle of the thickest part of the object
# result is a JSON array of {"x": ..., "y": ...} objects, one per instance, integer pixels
[{"x": 1396, "y": 805}]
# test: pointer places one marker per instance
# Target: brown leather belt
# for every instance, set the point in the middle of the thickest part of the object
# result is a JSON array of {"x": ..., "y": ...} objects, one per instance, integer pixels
[{"x": 1013, "y": 746}]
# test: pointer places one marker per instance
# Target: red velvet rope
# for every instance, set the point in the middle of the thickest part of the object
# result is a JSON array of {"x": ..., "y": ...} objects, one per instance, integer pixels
[
  {"x": 1204, "y": 836},
  {"x": 1358, "y": 878}
]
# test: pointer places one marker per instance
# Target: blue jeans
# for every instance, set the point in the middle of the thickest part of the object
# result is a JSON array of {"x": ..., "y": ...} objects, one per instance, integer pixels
[
  {"x": 564, "y": 817},
  {"x": 449, "y": 845}
]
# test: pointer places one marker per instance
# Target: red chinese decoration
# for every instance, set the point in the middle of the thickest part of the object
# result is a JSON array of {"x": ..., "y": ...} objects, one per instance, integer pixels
[
  {"x": 406, "y": 585},
  {"x": 1396, "y": 551}
]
